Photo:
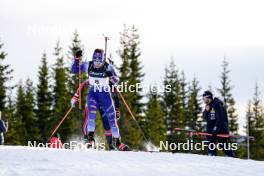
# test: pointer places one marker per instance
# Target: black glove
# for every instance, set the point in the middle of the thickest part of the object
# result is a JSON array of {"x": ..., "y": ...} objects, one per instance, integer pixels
[
  {"x": 109, "y": 74},
  {"x": 215, "y": 131},
  {"x": 117, "y": 113},
  {"x": 78, "y": 53}
]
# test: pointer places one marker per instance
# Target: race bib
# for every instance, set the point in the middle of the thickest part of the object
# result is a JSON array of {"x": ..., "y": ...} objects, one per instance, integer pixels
[{"x": 99, "y": 81}]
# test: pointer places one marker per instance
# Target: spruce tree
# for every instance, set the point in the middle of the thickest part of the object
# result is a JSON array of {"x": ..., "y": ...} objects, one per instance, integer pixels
[
  {"x": 243, "y": 151},
  {"x": 154, "y": 128},
  {"x": 249, "y": 118},
  {"x": 61, "y": 95},
  {"x": 169, "y": 97},
  {"x": 127, "y": 129},
  {"x": 73, "y": 79},
  {"x": 172, "y": 103},
  {"x": 183, "y": 94},
  {"x": 256, "y": 126},
  {"x": 124, "y": 54},
  {"x": 20, "y": 113},
  {"x": 44, "y": 101},
  {"x": 131, "y": 73},
  {"x": 29, "y": 116},
  {"x": 136, "y": 75},
  {"x": 76, "y": 115},
  {"x": 12, "y": 138},
  {"x": 226, "y": 95},
  {"x": 6, "y": 104},
  {"x": 194, "y": 118},
  {"x": 5, "y": 76}
]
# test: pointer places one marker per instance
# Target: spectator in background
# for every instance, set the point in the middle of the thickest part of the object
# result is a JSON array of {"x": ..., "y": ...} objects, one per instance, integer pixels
[
  {"x": 3, "y": 129},
  {"x": 215, "y": 115}
]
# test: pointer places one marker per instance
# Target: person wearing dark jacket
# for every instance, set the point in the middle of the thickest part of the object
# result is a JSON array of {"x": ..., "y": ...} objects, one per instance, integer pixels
[
  {"x": 216, "y": 117},
  {"x": 3, "y": 129}
]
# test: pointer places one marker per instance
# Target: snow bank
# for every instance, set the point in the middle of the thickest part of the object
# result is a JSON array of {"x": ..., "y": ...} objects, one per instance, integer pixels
[{"x": 37, "y": 162}]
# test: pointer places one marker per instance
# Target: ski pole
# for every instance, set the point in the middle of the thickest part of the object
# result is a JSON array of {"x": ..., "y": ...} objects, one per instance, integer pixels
[
  {"x": 105, "y": 54},
  {"x": 131, "y": 114},
  {"x": 80, "y": 81},
  {"x": 194, "y": 132},
  {"x": 224, "y": 135},
  {"x": 57, "y": 127},
  {"x": 105, "y": 39}
]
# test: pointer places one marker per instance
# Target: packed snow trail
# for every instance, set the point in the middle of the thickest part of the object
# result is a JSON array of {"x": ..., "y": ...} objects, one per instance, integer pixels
[{"x": 25, "y": 161}]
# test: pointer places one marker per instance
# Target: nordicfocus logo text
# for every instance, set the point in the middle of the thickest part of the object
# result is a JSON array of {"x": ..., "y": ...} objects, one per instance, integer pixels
[
  {"x": 189, "y": 145},
  {"x": 138, "y": 87},
  {"x": 73, "y": 145}
]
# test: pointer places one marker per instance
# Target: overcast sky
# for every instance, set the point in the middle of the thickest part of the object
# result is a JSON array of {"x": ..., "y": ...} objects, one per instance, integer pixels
[{"x": 196, "y": 33}]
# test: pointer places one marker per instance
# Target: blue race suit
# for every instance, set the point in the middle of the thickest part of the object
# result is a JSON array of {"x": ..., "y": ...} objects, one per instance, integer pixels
[
  {"x": 99, "y": 95},
  {"x": 107, "y": 128}
]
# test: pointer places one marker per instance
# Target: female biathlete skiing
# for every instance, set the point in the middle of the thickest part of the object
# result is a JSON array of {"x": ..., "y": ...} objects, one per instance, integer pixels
[{"x": 100, "y": 74}]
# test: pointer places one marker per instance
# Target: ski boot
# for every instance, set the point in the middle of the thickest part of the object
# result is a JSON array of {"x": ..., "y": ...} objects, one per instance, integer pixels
[
  {"x": 89, "y": 140},
  {"x": 109, "y": 140},
  {"x": 121, "y": 146}
]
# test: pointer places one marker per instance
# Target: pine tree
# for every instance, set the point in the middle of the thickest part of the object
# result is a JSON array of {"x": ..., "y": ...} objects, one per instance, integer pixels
[
  {"x": 76, "y": 115},
  {"x": 155, "y": 128},
  {"x": 5, "y": 76},
  {"x": 128, "y": 130},
  {"x": 249, "y": 119},
  {"x": 136, "y": 75},
  {"x": 256, "y": 126},
  {"x": 12, "y": 138},
  {"x": 131, "y": 72},
  {"x": 20, "y": 113},
  {"x": 124, "y": 54},
  {"x": 172, "y": 103},
  {"x": 225, "y": 92},
  {"x": 242, "y": 151},
  {"x": 29, "y": 116},
  {"x": 194, "y": 118},
  {"x": 61, "y": 96},
  {"x": 183, "y": 94},
  {"x": 75, "y": 45},
  {"x": 44, "y": 101}
]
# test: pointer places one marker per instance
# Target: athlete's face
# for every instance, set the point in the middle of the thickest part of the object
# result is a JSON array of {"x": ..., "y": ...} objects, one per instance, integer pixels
[{"x": 98, "y": 60}]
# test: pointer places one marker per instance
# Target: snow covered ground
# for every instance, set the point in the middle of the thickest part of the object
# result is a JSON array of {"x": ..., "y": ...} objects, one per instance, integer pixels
[{"x": 37, "y": 162}]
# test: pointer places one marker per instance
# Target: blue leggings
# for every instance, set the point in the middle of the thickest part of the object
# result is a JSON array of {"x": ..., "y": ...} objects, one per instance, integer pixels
[{"x": 102, "y": 100}]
